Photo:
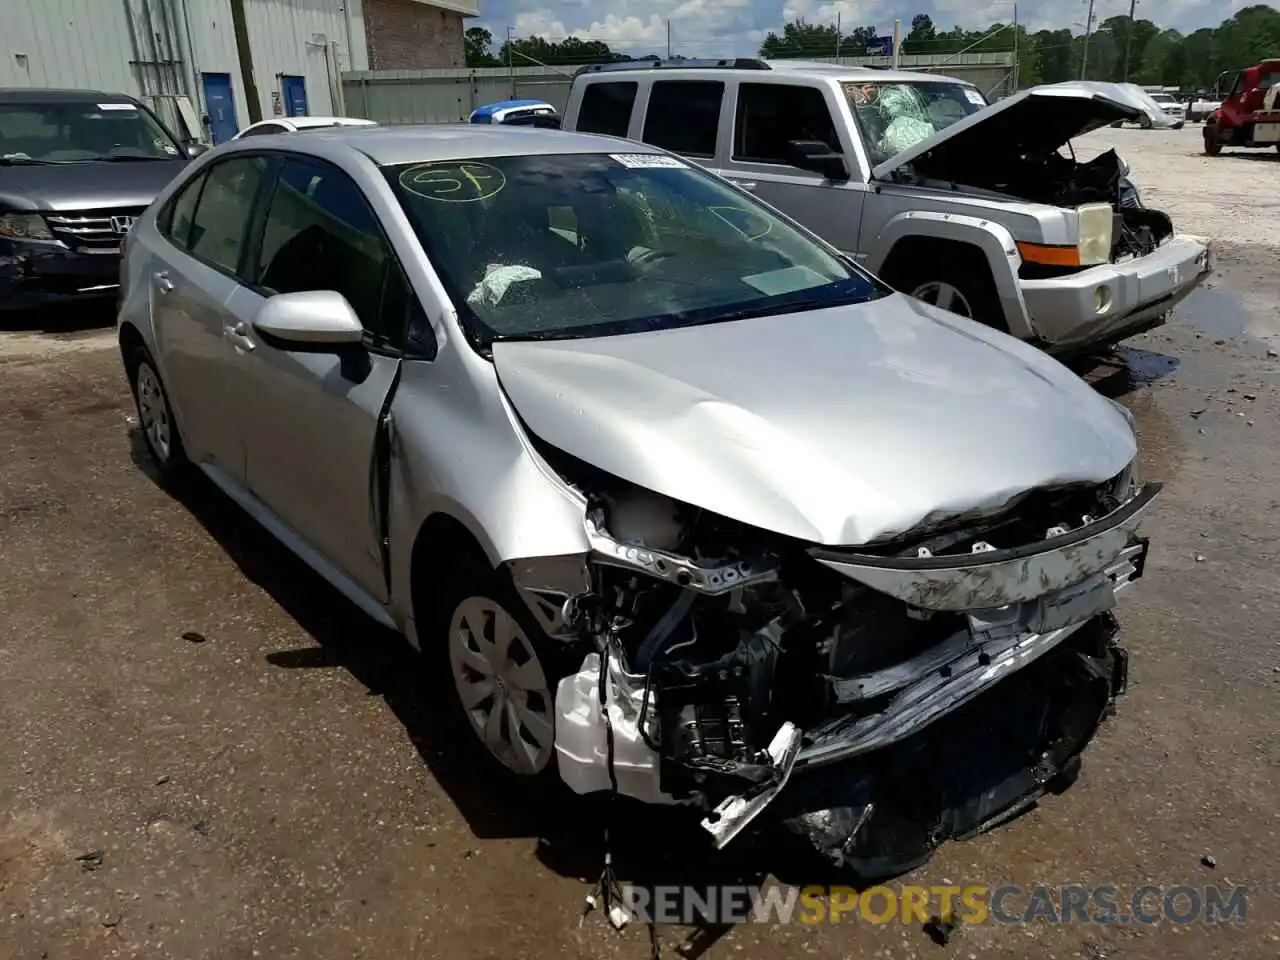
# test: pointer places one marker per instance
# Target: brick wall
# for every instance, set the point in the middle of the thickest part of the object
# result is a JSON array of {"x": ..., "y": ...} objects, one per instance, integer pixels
[{"x": 406, "y": 35}]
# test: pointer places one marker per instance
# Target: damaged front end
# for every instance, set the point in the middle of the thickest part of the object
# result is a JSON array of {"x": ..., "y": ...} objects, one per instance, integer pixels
[{"x": 879, "y": 700}]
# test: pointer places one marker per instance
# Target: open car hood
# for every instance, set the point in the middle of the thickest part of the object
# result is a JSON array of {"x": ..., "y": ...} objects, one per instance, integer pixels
[
  {"x": 840, "y": 426},
  {"x": 1032, "y": 122}
]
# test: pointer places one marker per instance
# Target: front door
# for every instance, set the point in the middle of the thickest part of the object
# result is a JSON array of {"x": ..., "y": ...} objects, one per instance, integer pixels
[
  {"x": 294, "y": 90},
  {"x": 767, "y": 117},
  {"x": 220, "y": 106},
  {"x": 311, "y": 417},
  {"x": 196, "y": 261}
]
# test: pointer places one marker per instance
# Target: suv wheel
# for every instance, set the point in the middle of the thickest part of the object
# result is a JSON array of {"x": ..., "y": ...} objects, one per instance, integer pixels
[
  {"x": 155, "y": 417},
  {"x": 504, "y": 685},
  {"x": 1211, "y": 145},
  {"x": 945, "y": 295}
]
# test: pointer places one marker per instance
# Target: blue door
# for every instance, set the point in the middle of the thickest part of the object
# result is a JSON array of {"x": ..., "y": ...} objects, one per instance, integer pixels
[
  {"x": 295, "y": 95},
  {"x": 220, "y": 104}
]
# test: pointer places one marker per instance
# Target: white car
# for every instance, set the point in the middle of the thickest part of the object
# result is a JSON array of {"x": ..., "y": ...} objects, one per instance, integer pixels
[
  {"x": 296, "y": 124},
  {"x": 1170, "y": 105}
]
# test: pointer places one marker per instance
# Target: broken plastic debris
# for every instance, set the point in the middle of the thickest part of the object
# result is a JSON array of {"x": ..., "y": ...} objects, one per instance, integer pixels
[{"x": 735, "y": 812}]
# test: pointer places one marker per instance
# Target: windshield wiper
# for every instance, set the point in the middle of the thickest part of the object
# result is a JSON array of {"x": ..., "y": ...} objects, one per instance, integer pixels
[
  {"x": 17, "y": 160},
  {"x": 118, "y": 158}
]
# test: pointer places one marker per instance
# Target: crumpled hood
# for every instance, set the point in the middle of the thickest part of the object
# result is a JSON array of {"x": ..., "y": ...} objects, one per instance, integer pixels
[
  {"x": 839, "y": 426},
  {"x": 1035, "y": 121},
  {"x": 85, "y": 186}
]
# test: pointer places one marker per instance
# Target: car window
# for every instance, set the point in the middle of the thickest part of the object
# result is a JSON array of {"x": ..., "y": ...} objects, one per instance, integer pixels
[
  {"x": 770, "y": 115},
  {"x": 558, "y": 246},
  {"x": 684, "y": 116},
  {"x": 220, "y": 226},
  {"x": 176, "y": 218},
  {"x": 606, "y": 108},
  {"x": 321, "y": 234},
  {"x": 264, "y": 129}
]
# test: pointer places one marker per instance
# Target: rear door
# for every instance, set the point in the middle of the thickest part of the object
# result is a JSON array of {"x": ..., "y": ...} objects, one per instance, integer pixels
[
  {"x": 766, "y": 117},
  {"x": 195, "y": 266},
  {"x": 312, "y": 416}
]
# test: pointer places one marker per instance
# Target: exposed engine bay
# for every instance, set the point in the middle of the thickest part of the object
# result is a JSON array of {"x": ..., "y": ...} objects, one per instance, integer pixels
[
  {"x": 732, "y": 670},
  {"x": 1062, "y": 181}
]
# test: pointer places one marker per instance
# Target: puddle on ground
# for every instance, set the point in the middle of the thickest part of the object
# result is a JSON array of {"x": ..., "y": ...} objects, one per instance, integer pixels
[{"x": 1215, "y": 312}]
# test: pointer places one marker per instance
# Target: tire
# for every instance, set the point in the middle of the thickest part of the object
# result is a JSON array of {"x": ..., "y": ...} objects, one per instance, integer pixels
[
  {"x": 960, "y": 284},
  {"x": 1211, "y": 145},
  {"x": 1144, "y": 122},
  {"x": 156, "y": 421},
  {"x": 504, "y": 673}
]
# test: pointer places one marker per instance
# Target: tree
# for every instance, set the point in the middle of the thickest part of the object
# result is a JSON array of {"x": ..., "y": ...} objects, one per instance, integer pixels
[
  {"x": 800, "y": 39},
  {"x": 476, "y": 42},
  {"x": 921, "y": 37},
  {"x": 570, "y": 51}
]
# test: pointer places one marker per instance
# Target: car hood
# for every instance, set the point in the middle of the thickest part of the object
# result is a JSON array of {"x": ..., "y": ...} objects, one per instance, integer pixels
[
  {"x": 840, "y": 426},
  {"x": 85, "y": 186},
  {"x": 1031, "y": 122}
]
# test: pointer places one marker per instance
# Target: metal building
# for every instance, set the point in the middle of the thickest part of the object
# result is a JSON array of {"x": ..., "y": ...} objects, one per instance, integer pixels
[{"x": 211, "y": 67}]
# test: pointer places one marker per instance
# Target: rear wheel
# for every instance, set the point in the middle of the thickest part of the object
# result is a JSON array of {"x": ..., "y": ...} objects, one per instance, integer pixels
[{"x": 155, "y": 416}]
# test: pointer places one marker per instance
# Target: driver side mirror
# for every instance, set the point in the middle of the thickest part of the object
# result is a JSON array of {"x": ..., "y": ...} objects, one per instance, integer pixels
[
  {"x": 195, "y": 148},
  {"x": 816, "y": 157},
  {"x": 320, "y": 319}
]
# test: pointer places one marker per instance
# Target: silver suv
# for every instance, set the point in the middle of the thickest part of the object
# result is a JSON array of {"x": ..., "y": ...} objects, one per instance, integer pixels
[{"x": 969, "y": 206}]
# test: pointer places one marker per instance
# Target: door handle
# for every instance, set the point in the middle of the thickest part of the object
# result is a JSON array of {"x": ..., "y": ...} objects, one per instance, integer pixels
[
  {"x": 162, "y": 281},
  {"x": 239, "y": 336}
]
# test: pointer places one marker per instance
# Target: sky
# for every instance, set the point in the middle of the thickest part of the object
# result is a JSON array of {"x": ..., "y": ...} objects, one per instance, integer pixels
[{"x": 723, "y": 28}]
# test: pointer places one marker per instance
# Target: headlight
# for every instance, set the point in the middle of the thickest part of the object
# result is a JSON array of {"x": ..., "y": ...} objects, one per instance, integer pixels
[
  {"x": 1095, "y": 233},
  {"x": 24, "y": 226}
]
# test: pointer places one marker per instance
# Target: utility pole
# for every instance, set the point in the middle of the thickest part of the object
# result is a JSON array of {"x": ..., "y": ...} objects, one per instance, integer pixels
[
  {"x": 245, "y": 55},
  {"x": 1128, "y": 38},
  {"x": 511, "y": 68},
  {"x": 1088, "y": 29},
  {"x": 1015, "y": 46},
  {"x": 668, "y": 38},
  {"x": 837, "y": 34}
]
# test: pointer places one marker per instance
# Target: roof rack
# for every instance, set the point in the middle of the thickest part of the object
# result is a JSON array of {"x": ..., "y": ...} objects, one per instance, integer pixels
[{"x": 734, "y": 63}]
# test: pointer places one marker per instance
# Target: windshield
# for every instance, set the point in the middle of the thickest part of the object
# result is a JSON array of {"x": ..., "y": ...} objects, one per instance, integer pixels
[
  {"x": 578, "y": 245},
  {"x": 78, "y": 132},
  {"x": 895, "y": 116},
  {"x": 1163, "y": 98}
]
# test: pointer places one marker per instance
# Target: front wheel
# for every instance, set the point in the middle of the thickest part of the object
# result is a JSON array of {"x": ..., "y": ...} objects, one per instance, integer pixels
[
  {"x": 1211, "y": 145},
  {"x": 503, "y": 678}
]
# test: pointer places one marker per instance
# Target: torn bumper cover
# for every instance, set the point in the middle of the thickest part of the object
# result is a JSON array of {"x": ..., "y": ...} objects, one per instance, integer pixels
[{"x": 1014, "y": 647}]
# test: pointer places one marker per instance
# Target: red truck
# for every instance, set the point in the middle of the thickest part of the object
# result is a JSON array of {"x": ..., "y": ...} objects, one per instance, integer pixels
[{"x": 1250, "y": 111}]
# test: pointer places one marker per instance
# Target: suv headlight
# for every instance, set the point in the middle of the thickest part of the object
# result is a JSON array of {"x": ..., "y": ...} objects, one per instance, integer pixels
[
  {"x": 24, "y": 226},
  {"x": 1096, "y": 227}
]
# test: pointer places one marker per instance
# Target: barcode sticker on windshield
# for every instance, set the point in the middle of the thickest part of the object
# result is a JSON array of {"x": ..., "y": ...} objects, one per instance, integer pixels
[
  {"x": 649, "y": 161},
  {"x": 117, "y": 106},
  {"x": 974, "y": 97}
]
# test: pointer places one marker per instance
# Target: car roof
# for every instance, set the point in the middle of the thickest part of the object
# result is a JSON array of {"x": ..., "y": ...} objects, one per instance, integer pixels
[
  {"x": 751, "y": 69},
  {"x": 837, "y": 71},
  {"x": 424, "y": 143},
  {"x": 301, "y": 122},
  {"x": 50, "y": 95}
]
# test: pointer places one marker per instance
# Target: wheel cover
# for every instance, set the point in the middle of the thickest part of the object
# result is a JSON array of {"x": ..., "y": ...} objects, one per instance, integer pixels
[
  {"x": 944, "y": 295},
  {"x": 502, "y": 685},
  {"x": 153, "y": 412}
]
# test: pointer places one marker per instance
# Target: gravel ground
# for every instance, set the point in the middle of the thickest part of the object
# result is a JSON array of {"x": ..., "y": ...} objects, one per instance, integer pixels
[{"x": 205, "y": 753}]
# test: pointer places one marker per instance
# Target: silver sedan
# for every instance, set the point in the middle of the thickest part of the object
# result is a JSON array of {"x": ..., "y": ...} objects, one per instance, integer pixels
[{"x": 701, "y": 512}]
